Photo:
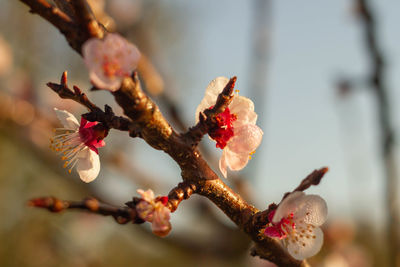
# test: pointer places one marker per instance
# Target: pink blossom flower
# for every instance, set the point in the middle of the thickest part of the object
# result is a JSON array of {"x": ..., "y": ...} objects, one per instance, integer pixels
[
  {"x": 236, "y": 133},
  {"x": 295, "y": 222},
  {"x": 110, "y": 60},
  {"x": 78, "y": 143},
  {"x": 154, "y": 210}
]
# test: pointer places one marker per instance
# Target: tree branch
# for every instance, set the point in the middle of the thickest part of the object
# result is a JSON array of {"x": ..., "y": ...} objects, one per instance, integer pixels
[{"x": 122, "y": 215}]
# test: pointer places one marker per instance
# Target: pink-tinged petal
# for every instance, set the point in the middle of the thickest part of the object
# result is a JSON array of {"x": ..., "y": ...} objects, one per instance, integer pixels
[
  {"x": 236, "y": 161},
  {"x": 100, "y": 81},
  {"x": 243, "y": 108},
  {"x": 272, "y": 232},
  {"x": 222, "y": 164},
  {"x": 88, "y": 165},
  {"x": 110, "y": 60},
  {"x": 287, "y": 206},
  {"x": 147, "y": 195},
  {"x": 307, "y": 246},
  {"x": 246, "y": 139},
  {"x": 213, "y": 89},
  {"x": 67, "y": 119},
  {"x": 161, "y": 225},
  {"x": 312, "y": 209}
]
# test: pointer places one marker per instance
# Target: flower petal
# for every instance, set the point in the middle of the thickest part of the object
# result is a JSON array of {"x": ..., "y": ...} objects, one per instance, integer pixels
[
  {"x": 288, "y": 205},
  {"x": 67, "y": 119},
  {"x": 161, "y": 225},
  {"x": 222, "y": 163},
  {"x": 147, "y": 195},
  {"x": 244, "y": 110},
  {"x": 213, "y": 89},
  {"x": 246, "y": 139},
  {"x": 313, "y": 210},
  {"x": 116, "y": 49},
  {"x": 236, "y": 161},
  {"x": 306, "y": 247},
  {"x": 88, "y": 165}
]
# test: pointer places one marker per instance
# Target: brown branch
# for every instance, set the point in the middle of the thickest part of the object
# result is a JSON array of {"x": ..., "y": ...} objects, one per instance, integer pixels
[
  {"x": 122, "y": 215},
  {"x": 313, "y": 178},
  {"x": 107, "y": 117},
  {"x": 75, "y": 34},
  {"x": 65, "y": 6},
  {"x": 64, "y": 92},
  {"x": 85, "y": 19},
  {"x": 183, "y": 191}
]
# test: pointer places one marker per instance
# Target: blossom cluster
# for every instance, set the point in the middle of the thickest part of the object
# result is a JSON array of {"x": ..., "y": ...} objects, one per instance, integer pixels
[
  {"x": 110, "y": 60},
  {"x": 296, "y": 223},
  {"x": 78, "y": 144},
  {"x": 154, "y": 210},
  {"x": 236, "y": 131}
]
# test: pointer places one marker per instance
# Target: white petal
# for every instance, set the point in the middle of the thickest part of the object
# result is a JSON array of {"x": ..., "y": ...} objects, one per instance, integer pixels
[
  {"x": 67, "y": 119},
  {"x": 244, "y": 110},
  {"x": 246, "y": 139},
  {"x": 88, "y": 165},
  {"x": 306, "y": 247},
  {"x": 213, "y": 89},
  {"x": 287, "y": 206},
  {"x": 222, "y": 163},
  {"x": 313, "y": 211},
  {"x": 236, "y": 161}
]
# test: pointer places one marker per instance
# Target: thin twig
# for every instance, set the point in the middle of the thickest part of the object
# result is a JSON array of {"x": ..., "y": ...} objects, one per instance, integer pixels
[
  {"x": 96, "y": 114},
  {"x": 121, "y": 215}
]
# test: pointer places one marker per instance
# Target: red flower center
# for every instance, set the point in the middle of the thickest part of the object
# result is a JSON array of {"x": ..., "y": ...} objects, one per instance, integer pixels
[
  {"x": 223, "y": 131},
  {"x": 112, "y": 68},
  {"x": 92, "y": 137},
  {"x": 282, "y": 228},
  {"x": 163, "y": 200}
]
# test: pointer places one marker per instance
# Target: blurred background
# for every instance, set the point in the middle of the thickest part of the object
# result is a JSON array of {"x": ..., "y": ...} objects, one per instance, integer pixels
[{"x": 323, "y": 97}]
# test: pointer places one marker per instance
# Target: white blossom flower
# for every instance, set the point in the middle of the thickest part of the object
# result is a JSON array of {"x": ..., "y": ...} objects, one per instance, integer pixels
[
  {"x": 110, "y": 60},
  {"x": 77, "y": 144},
  {"x": 296, "y": 223},
  {"x": 154, "y": 210},
  {"x": 237, "y": 133}
]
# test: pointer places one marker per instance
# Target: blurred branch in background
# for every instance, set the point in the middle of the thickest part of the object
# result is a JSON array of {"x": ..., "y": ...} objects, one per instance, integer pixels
[
  {"x": 258, "y": 64},
  {"x": 377, "y": 81}
]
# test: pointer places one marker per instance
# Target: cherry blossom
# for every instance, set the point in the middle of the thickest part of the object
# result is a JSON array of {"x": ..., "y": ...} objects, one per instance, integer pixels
[
  {"x": 154, "y": 210},
  {"x": 236, "y": 131},
  {"x": 110, "y": 60},
  {"x": 296, "y": 223},
  {"x": 77, "y": 144}
]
